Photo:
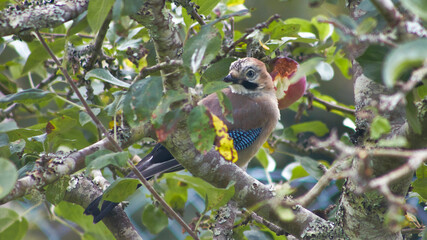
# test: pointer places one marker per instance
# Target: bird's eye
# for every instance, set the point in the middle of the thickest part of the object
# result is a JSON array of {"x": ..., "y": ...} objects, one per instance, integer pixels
[{"x": 250, "y": 73}]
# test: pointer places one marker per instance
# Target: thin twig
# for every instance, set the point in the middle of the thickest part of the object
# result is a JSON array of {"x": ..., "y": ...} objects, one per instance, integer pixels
[
  {"x": 273, "y": 227},
  {"x": 191, "y": 10},
  {"x": 55, "y": 35},
  {"x": 8, "y": 110},
  {"x": 156, "y": 68},
  {"x": 259, "y": 26},
  {"x": 390, "y": 102},
  {"x": 366, "y": 38},
  {"x": 389, "y": 11},
  {"x": 324, "y": 181},
  {"x": 329, "y": 106},
  {"x": 114, "y": 143},
  {"x": 98, "y": 42}
]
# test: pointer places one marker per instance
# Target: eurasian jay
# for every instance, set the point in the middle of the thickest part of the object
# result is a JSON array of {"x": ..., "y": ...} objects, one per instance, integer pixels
[{"x": 255, "y": 114}]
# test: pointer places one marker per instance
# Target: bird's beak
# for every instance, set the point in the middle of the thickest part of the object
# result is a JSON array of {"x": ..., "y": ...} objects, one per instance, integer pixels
[{"x": 231, "y": 79}]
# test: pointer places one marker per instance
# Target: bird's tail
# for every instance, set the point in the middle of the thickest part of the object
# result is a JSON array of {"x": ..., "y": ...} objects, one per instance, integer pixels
[{"x": 159, "y": 160}]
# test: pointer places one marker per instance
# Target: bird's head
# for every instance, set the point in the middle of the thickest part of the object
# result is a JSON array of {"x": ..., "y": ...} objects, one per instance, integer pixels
[{"x": 249, "y": 76}]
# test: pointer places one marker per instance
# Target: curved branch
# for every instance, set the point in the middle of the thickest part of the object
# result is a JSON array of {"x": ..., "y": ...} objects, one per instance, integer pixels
[
  {"x": 58, "y": 166},
  {"x": 19, "y": 19}
]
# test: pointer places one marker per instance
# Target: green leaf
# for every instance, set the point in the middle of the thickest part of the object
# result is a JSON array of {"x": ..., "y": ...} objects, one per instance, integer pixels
[
  {"x": 306, "y": 68},
  {"x": 285, "y": 214},
  {"x": 310, "y": 165},
  {"x": 27, "y": 96},
  {"x": 73, "y": 212},
  {"x": 39, "y": 54},
  {"x": 55, "y": 192},
  {"x": 85, "y": 118},
  {"x": 8, "y": 176},
  {"x": 422, "y": 171},
  {"x": 325, "y": 71},
  {"x": 412, "y": 114},
  {"x": 130, "y": 7},
  {"x": 215, "y": 197},
  {"x": 154, "y": 219},
  {"x": 105, "y": 75},
  {"x": 4, "y": 140},
  {"x": 418, "y": 7},
  {"x": 116, "y": 105},
  {"x": 169, "y": 98},
  {"x": 316, "y": 127},
  {"x": 97, "y": 12},
  {"x": 17, "y": 146},
  {"x": 347, "y": 21},
  {"x": 262, "y": 157},
  {"x": 372, "y": 60},
  {"x": 324, "y": 30},
  {"x": 226, "y": 107},
  {"x": 379, "y": 126},
  {"x": 206, "y": 6},
  {"x": 176, "y": 194},
  {"x": 22, "y": 133},
  {"x": 231, "y": 3},
  {"x": 120, "y": 190},
  {"x": 8, "y": 125},
  {"x": 202, "y": 48},
  {"x": 217, "y": 71},
  {"x": 12, "y": 226},
  {"x": 103, "y": 158},
  {"x": 403, "y": 58},
  {"x": 201, "y": 132},
  {"x": 305, "y": 25},
  {"x": 285, "y": 30},
  {"x": 366, "y": 26},
  {"x": 344, "y": 65},
  {"x": 299, "y": 172},
  {"x": 396, "y": 141},
  {"x": 128, "y": 43},
  {"x": 142, "y": 98},
  {"x": 215, "y": 86},
  {"x": 420, "y": 187}
]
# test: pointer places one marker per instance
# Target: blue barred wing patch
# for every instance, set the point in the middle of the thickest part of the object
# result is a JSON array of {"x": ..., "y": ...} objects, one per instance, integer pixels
[{"x": 244, "y": 138}]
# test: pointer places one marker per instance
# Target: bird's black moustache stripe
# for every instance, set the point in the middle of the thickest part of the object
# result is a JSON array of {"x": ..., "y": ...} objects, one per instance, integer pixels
[{"x": 249, "y": 85}]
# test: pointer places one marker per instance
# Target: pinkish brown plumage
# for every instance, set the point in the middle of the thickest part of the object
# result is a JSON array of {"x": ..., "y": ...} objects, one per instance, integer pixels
[{"x": 254, "y": 103}]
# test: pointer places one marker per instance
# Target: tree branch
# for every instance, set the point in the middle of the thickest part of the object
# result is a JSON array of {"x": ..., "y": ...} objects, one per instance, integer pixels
[
  {"x": 248, "y": 191},
  {"x": 259, "y": 26},
  {"x": 223, "y": 228},
  {"x": 32, "y": 17},
  {"x": 97, "y": 46},
  {"x": 388, "y": 10},
  {"x": 58, "y": 166},
  {"x": 329, "y": 106},
  {"x": 84, "y": 191},
  {"x": 165, "y": 36}
]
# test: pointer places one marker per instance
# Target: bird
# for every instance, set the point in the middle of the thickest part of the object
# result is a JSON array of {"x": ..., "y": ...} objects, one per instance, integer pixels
[{"x": 255, "y": 114}]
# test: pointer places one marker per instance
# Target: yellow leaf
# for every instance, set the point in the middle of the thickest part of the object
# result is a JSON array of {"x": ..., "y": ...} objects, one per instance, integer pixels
[
  {"x": 111, "y": 124},
  {"x": 411, "y": 218},
  {"x": 266, "y": 145},
  {"x": 223, "y": 143},
  {"x": 263, "y": 45}
]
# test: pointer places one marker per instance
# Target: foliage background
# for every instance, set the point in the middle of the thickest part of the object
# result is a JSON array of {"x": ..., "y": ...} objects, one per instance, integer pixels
[{"x": 72, "y": 125}]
